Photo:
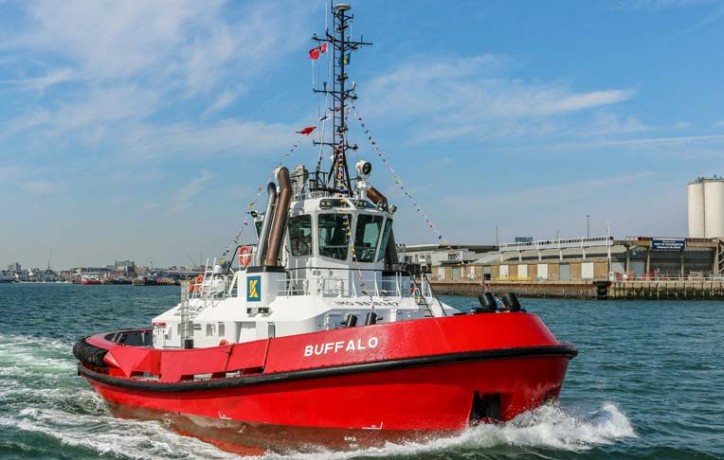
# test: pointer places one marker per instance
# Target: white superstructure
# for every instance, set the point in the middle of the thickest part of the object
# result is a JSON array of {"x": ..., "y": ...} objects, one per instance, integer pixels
[{"x": 335, "y": 268}]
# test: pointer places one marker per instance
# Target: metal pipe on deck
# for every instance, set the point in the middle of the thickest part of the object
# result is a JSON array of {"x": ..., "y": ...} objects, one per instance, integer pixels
[
  {"x": 279, "y": 224},
  {"x": 266, "y": 225}
]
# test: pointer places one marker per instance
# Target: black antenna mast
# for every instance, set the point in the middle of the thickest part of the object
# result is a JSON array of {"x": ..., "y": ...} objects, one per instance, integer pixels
[{"x": 342, "y": 48}]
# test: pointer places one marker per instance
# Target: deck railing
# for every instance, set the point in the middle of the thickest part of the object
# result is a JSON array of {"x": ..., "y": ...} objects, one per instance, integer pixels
[{"x": 342, "y": 287}]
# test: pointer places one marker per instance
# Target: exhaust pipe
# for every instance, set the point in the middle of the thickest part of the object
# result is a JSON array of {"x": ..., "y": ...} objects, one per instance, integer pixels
[
  {"x": 279, "y": 224},
  {"x": 377, "y": 197},
  {"x": 266, "y": 225}
]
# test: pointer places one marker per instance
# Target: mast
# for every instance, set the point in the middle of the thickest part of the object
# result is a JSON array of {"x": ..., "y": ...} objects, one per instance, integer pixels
[{"x": 338, "y": 180}]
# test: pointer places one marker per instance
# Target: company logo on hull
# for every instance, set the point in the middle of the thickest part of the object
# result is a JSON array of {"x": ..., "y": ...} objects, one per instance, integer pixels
[
  {"x": 342, "y": 346},
  {"x": 253, "y": 289}
]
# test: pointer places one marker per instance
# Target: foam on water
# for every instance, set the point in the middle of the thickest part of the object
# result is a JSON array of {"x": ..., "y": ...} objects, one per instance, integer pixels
[
  {"x": 106, "y": 435},
  {"x": 46, "y": 343},
  {"x": 35, "y": 355},
  {"x": 549, "y": 427}
]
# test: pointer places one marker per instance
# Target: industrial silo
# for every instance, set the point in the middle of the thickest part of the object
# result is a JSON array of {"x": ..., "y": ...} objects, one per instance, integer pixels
[
  {"x": 696, "y": 209},
  {"x": 714, "y": 208},
  {"x": 706, "y": 208}
]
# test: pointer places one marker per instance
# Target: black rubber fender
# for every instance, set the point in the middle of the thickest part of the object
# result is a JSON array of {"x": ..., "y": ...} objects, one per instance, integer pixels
[{"x": 88, "y": 354}]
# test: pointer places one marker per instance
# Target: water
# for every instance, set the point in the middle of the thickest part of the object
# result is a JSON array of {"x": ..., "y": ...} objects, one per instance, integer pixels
[{"x": 648, "y": 383}]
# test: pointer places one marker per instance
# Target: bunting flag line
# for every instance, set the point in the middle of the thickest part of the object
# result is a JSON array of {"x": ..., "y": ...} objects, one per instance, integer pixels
[{"x": 396, "y": 178}]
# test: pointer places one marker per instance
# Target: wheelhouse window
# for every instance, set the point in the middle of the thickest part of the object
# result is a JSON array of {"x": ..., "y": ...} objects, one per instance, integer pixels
[
  {"x": 385, "y": 239},
  {"x": 300, "y": 235},
  {"x": 369, "y": 228},
  {"x": 333, "y": 241}
]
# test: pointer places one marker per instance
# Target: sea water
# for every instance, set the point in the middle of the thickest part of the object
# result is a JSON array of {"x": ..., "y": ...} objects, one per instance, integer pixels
[{"x": 648, "y": 383}]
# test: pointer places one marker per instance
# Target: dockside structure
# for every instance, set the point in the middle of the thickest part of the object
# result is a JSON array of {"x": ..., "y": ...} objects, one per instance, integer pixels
[{"x": 598, "y": 267}]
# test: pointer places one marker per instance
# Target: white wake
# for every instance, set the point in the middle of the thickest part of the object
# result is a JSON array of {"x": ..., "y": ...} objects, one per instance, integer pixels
[{"x": 549, "y": 427}]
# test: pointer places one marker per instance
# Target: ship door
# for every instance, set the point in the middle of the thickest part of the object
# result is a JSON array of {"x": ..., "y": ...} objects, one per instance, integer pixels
[
  {"x": 485, "y": 408},
  {"x": 159, "y": 336},
  {"x": 247, "y": 332}
]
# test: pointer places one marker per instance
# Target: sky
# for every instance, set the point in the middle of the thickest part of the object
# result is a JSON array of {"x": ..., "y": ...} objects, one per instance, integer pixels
[{"x": 143, "y": 130}]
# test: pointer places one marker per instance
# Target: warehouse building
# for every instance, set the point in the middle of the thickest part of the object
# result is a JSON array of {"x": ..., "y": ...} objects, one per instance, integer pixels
[{"x": 593, "y": 259}]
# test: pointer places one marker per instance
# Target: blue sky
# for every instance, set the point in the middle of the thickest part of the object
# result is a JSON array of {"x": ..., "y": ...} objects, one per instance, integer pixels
[{"x": 142, "y": 130}]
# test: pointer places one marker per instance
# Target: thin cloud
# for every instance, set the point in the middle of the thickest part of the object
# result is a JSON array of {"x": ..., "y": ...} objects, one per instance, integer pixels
[
  {"x": 679, "y": 125},
  {"x": 520, "y": 101},
  {"x": 713, "y": 139},
  {"x": 190, "y": 140},
  {"x": 9, "y": 172},
  {"x": 458, "y": 96},
  {"x": 709, "y": 19},
  {"x": 547, "y": 205},
  {"x": 662, "y": 141},
  {"x": 440, "y": 69},
  {"x": 608, "y": 124},
  {"x": 223, "y": 101},
  {"x": 662, "y": 5},
  {"x": 577, "y": 102},
  {"x": 41, "y": 187},
  {"x": 40, "y": 84},
  {"x": 182, "y": 199},
  {"x": 134, "y": 63},
  {"x": 656, "y": 5},
  {"x": 111, "y": 40},
  {"x": 546, "y": 193},
  {"x": 99, "y": 107},
  {"x": 166, "y": 45}
]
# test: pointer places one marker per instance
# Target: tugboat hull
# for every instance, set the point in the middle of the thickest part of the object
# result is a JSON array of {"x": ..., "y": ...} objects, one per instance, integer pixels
[
  {"x": 350, "y": 410},
  {"x": 402, "y": 380}
]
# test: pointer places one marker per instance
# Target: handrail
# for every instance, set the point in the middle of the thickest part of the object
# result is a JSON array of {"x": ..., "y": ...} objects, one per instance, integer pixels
[
  {"x": 558, "y": 244},
  {"x": 342, "y": 286}
]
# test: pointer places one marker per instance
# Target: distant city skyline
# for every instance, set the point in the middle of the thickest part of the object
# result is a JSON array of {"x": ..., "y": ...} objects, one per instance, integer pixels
[
  {"x": 20, "y": 267},
  {"x": 142, "y": 130}
]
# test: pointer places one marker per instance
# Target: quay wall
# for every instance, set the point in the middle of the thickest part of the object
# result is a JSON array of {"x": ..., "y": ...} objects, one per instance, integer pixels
[
  {"x": 667, "y": 290},
  {"x": 616, "y": 290},
  {"x": 550, "y": 289}
]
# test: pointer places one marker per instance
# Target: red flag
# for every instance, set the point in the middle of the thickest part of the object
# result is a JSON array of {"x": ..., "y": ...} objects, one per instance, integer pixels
[
  {"x": 307, "y": 131},
  {"x": 314, "y": 53}
]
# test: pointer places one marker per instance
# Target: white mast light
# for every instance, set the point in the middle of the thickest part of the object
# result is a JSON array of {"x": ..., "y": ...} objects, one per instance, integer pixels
[{"x": 364, "y": 168}]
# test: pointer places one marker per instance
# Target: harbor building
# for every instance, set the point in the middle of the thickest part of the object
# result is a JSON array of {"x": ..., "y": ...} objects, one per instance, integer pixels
[
  {"x": 423, "y": 257},
  {"x": 632, "y": 267},
  {"x": 640, "y": 267},
  {"x": 591, "y": 259}
]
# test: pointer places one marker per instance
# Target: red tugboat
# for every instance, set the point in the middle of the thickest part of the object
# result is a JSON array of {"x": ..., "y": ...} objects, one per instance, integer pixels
[{"x": 321, "y": 336}]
